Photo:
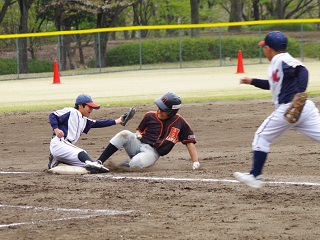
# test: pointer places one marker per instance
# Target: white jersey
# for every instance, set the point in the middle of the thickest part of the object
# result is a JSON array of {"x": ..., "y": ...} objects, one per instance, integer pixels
[
  {"x": 286, "y": 77},
  {"x": 75, "y": 123},
  {"x": 275, "y": 73}
]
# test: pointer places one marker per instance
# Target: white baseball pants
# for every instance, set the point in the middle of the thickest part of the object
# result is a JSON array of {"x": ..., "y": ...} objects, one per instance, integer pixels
[
  {"x": 276, "y": 125},
  {"x": 142, "y": 155},
  {"x": 65, "y": 152}
]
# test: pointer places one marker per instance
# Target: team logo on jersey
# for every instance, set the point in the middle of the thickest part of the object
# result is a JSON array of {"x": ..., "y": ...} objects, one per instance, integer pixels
[
  {"x": 275, "y": 76},
  {"x": 173, "y": 135}
]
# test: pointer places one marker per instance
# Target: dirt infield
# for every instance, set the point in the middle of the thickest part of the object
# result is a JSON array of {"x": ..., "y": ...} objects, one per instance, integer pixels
[{"x": 169, "y": 200}]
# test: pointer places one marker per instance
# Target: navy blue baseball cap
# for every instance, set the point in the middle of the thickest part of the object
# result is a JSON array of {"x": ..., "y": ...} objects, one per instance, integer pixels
[
  {"x": 275, "y": 40},
  {"x": 86, "y": 99}
]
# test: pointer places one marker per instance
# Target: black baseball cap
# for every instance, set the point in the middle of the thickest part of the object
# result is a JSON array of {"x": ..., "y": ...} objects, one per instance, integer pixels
[
  {"x": 86, "y": 99},
  {"x": 169, "y": 102},
  {"x": 276, "y": 40}
]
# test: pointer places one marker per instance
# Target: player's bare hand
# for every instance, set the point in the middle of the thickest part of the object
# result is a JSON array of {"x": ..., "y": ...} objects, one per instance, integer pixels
[
  {"x": 245, "y": 80},
  {"x": 119, "y": 120},
  {"x": 138, "y": 135},
  {"x": 59, "y": 133}
]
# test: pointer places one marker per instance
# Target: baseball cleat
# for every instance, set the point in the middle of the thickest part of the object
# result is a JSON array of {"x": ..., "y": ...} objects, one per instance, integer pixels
[
  {"x": 52, "y": 162},
  {"x": 248, "y": 179},
  {"x": 96, "y": 166}
]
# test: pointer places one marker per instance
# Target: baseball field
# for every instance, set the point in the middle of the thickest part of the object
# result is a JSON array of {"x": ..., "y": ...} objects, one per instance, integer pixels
[{"x": 168, "y": 200}]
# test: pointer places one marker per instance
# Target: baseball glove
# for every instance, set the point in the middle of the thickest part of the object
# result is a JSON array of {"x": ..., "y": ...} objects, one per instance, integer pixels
[
  {"x": 127, "y": 116},
  {"x": 293, "y": 112}
]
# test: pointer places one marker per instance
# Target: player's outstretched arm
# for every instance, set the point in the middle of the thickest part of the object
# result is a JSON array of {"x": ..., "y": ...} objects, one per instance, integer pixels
[{"x": 193, "y": 155}]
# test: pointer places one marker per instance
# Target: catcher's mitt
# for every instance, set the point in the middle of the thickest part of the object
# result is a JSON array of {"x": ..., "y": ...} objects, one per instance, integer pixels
[
  {"x": 127, "y": 116},
  {"x": 293, "y": 112}
]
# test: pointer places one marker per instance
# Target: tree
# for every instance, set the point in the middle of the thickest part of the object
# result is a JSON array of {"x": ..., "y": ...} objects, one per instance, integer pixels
[
  {"x": 54, "y": 11},
  {"x": 195, "y": 18},
  {"x": 4, "y": 8},
  {"x": 256, "y": 10},
  {"x": 107, "y": 13},
  {"x": 172, "y": 12},
  {"x": 236, "y": 14},
  {"x": 143, "y": 11},
  {"x": 318, "y": 14},
  {"x": 24, "y": 6},
  {"x": 67, "y": 15},
  {"x": 282, "y": 9}
]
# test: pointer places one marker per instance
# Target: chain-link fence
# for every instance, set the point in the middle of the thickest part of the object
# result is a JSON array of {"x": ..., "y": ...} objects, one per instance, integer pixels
[{"x": 88, "y": 53}]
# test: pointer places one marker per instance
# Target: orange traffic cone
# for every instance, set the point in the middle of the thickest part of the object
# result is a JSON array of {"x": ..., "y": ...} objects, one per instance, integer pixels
[
  {"x": 56, "y": 74},
  {"x": 240, "y": 68}
]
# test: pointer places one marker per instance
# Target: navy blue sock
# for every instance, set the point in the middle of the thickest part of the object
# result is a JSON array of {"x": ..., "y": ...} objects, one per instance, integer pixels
[
  {"x": 259, "y": 158},
  {"x": 110, "y": 149},
  {"x": 83, "y": 156}
]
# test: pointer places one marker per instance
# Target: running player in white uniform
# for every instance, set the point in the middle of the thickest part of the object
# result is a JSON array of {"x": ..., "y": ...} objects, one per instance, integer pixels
[
  {"x": 68, "y": 124},
  {"x": 286, "y": 77}
]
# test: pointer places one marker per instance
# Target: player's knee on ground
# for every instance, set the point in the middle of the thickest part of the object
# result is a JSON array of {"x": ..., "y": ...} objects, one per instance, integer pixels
[
  {"x": 141, "y": 161},
  {"x": 137, "y": 163}
]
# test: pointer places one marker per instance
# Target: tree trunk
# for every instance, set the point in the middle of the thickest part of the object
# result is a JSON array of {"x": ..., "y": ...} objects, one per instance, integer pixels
[
  {"x": 23, "y": 42},
  {"x": 101, "y": 43},
  {"x": 103, "y": 47},
  {"x": 70, "y": 52},
  {"x": 62, "y": 52},
  {"x": 195, "y": 18},
  {"x": 235, "y": 14},
  {"x": 318, "y": 24},
  {"x": 79, "y": 44},
  {"x": 31, "y": 48},
  {"x": 280, "y": 9},
  {"x": 256, "y": 10}
]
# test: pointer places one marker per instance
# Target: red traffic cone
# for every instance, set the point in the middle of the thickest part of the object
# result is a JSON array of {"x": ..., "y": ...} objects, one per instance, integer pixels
[
  {"x": 56, "y": 74},
  {"x": 240, "y": 68}
]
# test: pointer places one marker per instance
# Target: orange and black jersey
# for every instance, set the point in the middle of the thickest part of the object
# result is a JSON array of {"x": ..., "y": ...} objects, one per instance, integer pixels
[{"x": 164, "y": 134}]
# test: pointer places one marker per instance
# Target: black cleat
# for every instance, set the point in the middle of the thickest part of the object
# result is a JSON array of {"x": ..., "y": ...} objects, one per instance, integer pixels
[{"x": 52, "y": 162}]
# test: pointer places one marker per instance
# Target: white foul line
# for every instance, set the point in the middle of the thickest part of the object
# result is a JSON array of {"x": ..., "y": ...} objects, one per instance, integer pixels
[
  {"x": 18, "y": 172},
  {"x": 45, "y": 221},
  {"x": 197, "y": 180},
  {"x": 91, "y": 212},
  {"x": 177, "y": 179}
]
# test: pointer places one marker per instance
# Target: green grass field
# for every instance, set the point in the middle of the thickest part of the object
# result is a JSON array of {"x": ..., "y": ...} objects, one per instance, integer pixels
[{"x": 140, "y": 87}]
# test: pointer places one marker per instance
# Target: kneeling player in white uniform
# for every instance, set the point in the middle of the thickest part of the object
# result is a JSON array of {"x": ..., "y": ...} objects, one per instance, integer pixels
[{"x": 68, "y": 124}]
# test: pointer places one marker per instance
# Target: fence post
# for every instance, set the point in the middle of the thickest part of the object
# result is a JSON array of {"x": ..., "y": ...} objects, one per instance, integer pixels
[
  {"x": 59, "y": 53},
  {"x": 302, "y": 43},
  {"x": 140, "y": 49},
  {"x": 99, "y": 52},
  {"x": 17, "y": 57},
  {"x": 220, "y": 46},
  {"x": 260, "y": 49},
  {"x": 180, "y": 48}
]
